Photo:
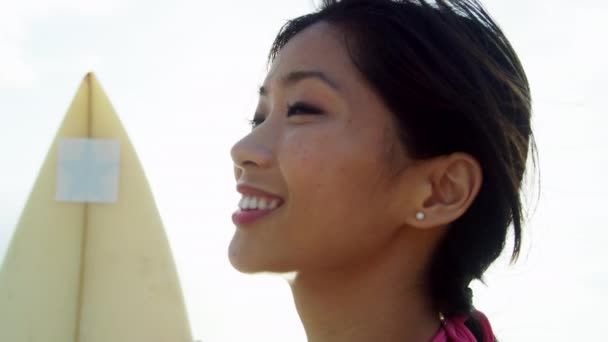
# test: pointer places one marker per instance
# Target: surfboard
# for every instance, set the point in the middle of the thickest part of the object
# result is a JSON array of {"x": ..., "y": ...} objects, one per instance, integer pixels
[{"x": 89, "y": 260}]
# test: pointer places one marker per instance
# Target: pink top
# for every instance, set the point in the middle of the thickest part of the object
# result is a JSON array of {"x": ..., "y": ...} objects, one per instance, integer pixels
[{"x": 454, "y": 330}]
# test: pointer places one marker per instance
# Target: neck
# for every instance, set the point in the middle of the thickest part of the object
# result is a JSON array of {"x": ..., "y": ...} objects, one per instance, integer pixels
[{"x": 371, "y": 301}]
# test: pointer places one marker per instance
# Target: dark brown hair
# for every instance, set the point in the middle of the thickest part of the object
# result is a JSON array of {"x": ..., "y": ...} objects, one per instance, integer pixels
[{"x": 454, "y": 84}]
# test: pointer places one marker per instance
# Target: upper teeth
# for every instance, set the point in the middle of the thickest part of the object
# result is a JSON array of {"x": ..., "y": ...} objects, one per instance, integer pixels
[{"x": 261, "y": 203}]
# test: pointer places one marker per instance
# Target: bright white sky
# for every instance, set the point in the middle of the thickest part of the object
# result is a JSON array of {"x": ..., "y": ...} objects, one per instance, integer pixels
[{"x": 183, "y": 76}]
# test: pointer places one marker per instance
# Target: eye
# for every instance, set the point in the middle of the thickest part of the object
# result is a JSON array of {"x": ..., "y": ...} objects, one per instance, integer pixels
[
  {"x": 302, "y": 108},
  {"x": 256, "y": 121},
  {"x": 298, "y": 108}
]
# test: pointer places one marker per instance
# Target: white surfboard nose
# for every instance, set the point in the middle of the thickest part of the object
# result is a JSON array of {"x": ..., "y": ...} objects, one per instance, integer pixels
[{"x": 89, "y": 260}]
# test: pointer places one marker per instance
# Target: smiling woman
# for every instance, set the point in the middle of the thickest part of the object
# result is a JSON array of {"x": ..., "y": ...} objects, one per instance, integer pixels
[{"x": 384, "y": 167}]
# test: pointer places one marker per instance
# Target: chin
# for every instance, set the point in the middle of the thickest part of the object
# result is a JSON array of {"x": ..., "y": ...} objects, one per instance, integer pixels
[
  {"x": 243, "y": 266},
  {"x": 255, "y": 260},
  {"x": 244, "y": 258}
]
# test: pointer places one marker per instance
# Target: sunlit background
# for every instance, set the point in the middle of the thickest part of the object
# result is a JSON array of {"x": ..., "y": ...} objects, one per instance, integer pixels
[{"x": 183, "y": 75}]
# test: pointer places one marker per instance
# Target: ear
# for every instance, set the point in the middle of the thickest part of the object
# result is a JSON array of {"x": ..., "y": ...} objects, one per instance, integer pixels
[{"x": 449, "y": 184}]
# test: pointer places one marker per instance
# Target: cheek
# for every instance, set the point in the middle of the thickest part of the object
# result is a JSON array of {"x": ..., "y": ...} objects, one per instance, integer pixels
[
  {"x": 334, "y": 164},
  {"x": 335, "y": 196},
  {"x": 314, "y": 165}
]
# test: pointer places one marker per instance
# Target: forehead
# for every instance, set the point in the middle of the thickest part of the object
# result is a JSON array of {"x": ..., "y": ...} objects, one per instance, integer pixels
[{"x": 320, "y": 47}]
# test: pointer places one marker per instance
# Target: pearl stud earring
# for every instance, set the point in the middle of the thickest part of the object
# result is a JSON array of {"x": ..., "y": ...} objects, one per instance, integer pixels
[{"x": 420, "y": 216}]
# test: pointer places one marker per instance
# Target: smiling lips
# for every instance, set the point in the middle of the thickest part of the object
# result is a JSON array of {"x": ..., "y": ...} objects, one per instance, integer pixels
[{"x": 254, "y": 204}]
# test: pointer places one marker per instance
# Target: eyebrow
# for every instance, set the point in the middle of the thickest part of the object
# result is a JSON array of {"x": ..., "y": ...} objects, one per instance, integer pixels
[{"x": 296, "y": 76}]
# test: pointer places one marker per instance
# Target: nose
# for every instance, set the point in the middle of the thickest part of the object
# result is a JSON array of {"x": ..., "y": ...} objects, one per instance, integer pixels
[{"x": 252, "y": 151}]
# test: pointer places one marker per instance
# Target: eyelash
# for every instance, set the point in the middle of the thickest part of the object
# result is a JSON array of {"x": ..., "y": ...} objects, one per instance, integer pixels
[
  {"x": 302, "y": 108},
  {"x": 292, "y": 109}
]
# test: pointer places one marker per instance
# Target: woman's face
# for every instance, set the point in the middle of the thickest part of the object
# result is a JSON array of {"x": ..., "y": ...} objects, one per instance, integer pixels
[{"x": 326, "y": 149}]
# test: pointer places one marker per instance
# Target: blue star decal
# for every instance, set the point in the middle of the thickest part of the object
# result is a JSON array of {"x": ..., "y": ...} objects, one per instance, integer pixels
[{"x": 87, "y": 170}]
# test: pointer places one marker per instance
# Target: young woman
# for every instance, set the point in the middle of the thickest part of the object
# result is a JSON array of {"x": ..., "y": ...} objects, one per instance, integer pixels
[{"x": 384, "y": 167}]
